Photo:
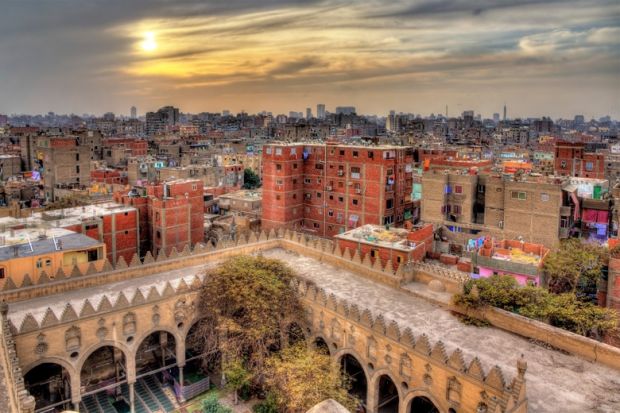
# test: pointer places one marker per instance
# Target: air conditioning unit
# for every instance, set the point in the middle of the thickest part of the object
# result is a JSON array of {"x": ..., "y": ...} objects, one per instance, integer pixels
[
  {"x": 328, "y": 188},
  {"x": 340, "y": 172}
]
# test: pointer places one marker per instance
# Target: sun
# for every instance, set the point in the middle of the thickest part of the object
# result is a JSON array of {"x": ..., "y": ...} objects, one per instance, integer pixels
[{"x": 149, "y": 44}]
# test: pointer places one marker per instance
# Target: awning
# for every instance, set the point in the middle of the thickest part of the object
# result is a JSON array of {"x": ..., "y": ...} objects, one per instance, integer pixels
[{"x": 569, "y": 188}]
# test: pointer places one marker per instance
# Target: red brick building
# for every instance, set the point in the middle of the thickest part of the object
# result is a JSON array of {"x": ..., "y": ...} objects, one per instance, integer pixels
[
  {"x": 108, "y": 176},
  {"x": 171, "y": 214},
  {"x": 571, "y": 159},
  {"x": 330, "y": 188}
]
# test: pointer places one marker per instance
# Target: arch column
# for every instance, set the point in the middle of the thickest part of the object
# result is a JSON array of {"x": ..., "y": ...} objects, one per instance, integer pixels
[
  {"x": 132, "y": 398},
  {"x": 76, "y": 395}
]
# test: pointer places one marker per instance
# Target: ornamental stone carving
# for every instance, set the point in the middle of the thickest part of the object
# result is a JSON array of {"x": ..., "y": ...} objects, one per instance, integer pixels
[
  {"x": 73, "y": 338},
  {"x": 129, "y": 324}
]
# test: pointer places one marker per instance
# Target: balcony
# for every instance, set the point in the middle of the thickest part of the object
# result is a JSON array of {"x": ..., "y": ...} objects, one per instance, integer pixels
[{"x": 356, "y": 175}]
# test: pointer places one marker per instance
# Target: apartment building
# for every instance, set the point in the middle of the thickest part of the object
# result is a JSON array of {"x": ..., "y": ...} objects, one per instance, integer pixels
[
  {"x": 536, "y": 210},
  {"x": 571, "y": 159},
  {"x": 63, "y": 163},
  {"x": 327, "y": 189}
]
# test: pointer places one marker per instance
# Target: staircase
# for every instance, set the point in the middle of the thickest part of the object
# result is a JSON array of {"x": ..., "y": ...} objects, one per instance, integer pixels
[
  {"x": 90, "y": 405},
  {"x": 143, "y": 393},
  {"x": 104, "y": 402},
  {"x": 155, "y": 388}
]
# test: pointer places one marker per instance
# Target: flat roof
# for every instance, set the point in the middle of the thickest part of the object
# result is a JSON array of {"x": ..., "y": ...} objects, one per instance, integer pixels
[
  {"x": 554, "y": 379},
  {"x": 376, "y": 235},
  {"x": 40, "y": 246}
]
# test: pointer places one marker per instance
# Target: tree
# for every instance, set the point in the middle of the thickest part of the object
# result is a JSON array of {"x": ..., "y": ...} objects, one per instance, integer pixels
[
  {"x": 250, "y": 179},
  {"x": 237, "y": 376},
  {"x": 212, "y": 405},
  {"x": 574, "y": 265},
  {"x": 247, "y": 302},
  {"x": 300, "y": 378}
]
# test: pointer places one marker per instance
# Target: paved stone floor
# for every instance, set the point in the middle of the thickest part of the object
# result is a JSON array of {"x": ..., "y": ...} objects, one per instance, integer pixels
[{"x": 556, "y": 382}]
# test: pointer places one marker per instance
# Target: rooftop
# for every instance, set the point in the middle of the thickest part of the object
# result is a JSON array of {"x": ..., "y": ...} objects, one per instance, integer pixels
[
  {"x": 24, "y": 244},
  {"x": 553, "y": 378},
  {"x": 394, "y": 238},
  {"x": 244, "y": 195}
]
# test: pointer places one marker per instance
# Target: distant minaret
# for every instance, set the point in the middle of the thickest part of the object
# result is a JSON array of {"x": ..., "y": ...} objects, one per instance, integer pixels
[
  {"x": 446, "y": 111},
  {"x": 504, "y": 112}
]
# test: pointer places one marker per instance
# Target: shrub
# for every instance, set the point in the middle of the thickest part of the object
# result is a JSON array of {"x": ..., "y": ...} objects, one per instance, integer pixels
[
  {"x": 560, "y": 310},
  {"x": 212, "y": 405}
]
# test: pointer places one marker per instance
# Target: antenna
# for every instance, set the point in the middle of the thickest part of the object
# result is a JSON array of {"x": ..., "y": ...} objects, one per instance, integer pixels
[{"x": 29, "y": 243}]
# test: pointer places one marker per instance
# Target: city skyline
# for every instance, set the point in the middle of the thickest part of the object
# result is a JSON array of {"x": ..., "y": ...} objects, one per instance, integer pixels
[{"x": 544, "y": 58}]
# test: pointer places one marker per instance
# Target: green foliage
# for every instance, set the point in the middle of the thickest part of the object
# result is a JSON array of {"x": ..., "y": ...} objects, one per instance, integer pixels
[
  {"x": 237, "y": 376},
  {"x": 560, "y": 310},
  {"x": 300, "y": 378},
  {"x": 269, "y": 405},
  {"x": 250, "y": 179},
  {"x": 574, "y": 264},
  {"x": 245, "y": 301},
  {"x": 212, "y": 405}
]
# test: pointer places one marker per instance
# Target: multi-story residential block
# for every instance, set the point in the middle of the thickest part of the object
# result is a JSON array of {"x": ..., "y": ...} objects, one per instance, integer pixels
[
  {"x": 329, "y": 188},
  {"x": 571, "y": 159},
  {"x": 63, "y": 163},
  {"x": 537, "y": 210}
]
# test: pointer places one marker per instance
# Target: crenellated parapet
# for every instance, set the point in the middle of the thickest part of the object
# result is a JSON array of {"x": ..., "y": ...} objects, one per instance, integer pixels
[{"x": 415, "y": 362}]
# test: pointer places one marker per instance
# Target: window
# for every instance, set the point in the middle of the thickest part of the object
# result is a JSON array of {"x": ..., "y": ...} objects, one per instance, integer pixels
[
  {"x": 294, "y": 181},
  {"x": 388, "y": 220},
  {"x": 399, "y": 259},
  {"x": 341, "y": 152},
  {"x": 307, "y": 181},
  {"x": 278, "y": 167},
  {"x": 340, "y": 199},
  {"x": 77, "y": 156},
  {"x": 563, "y": 164},
  {"x": 389, "y": 203},
  {"x": 521, "y": 196},
  {"x": 318, "y": 194},
  {"x": 294, "y": 196},
  {"x": 544, "y": 197},
  {"x": 481, "y": 189},
  {"x": 374, "y": 253},
  {"x": 458, "y": 189},
  {"x": 354, "y": 201},
  {"x": 279, "y": 182},
  {"x": 318, "y": 166},
  {"x": 48, "y": 262},
  {"x": 563, "y": 222},
  {"x": 371, "y": 155},
  {"x": 158, "y": 234},
  {"x": 77, "y": 169},
  {"x": 268, "y": 150},
  {"x": 294, "y": 166},
  {"x": 355, "y": 172},
  {"x": 194, "y": 187},
  {"x": 355, "y": 154},
  {"x": 330, "y": 213},
  {"x": 277, "y": 197},
  {"x": 278, "y": 151},
  {"x": 331, "y": 197},
  {"x": 293, "y": 151},
  {"x": 316, "y": 225},
  {"x": 2, "y": 273},
  {"x": 456, "y": 209},
  {"x": 39, "y": 263},
  {"x": 589, "y": 166}
]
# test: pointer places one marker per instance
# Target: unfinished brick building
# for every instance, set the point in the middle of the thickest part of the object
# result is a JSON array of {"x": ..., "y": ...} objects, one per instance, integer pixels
[{"x": 330, "y": 188}]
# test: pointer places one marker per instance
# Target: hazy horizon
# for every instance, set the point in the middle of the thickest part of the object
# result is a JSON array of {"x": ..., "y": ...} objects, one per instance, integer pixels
[{"x": 541, "y": 57}]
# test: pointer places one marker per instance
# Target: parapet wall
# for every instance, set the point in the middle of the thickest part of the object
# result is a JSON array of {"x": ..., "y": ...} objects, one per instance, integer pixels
[{"x": 325, "y": 251}]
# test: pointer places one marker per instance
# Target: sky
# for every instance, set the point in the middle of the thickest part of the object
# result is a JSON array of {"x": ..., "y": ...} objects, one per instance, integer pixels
[{"x": 539, "y": 57}]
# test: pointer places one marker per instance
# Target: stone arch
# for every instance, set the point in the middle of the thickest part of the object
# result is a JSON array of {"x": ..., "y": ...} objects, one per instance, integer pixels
[
  {"x": 320, "y": 343},
  {"x": 360, "y": 385},
  {"x": 130, "y": 363},
  {"x": 421, "y": 394},
  {"x": 148, "y": 359},
  {"x": 381, "y": 378},
  {"x": 52, "y": 389},
  {"x": 179, "y": 342}
]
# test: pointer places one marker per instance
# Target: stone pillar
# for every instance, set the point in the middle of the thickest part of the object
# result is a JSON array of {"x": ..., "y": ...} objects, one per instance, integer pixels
[
  {"x": 76, "y": 407},
  {"x": 76, "y": 396},
  {"x": 181, "y": 398},
  {"x": 131, "y": 398}
]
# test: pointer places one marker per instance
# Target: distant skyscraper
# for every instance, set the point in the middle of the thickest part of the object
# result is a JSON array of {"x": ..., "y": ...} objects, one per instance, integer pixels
[
  {"x": 496, "y": 117},
  {"x": 345, "y": 110},
  {"x": 308, "y": 113},
  {"x": 320, "y": 111},
  {"x": 225, "y": 112},
  {"x": 579, "y": 119},
  {"x": 504, "y": 113},
  {"x": 134, "y": 112},
  {"x": 390, "y": 122}
]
